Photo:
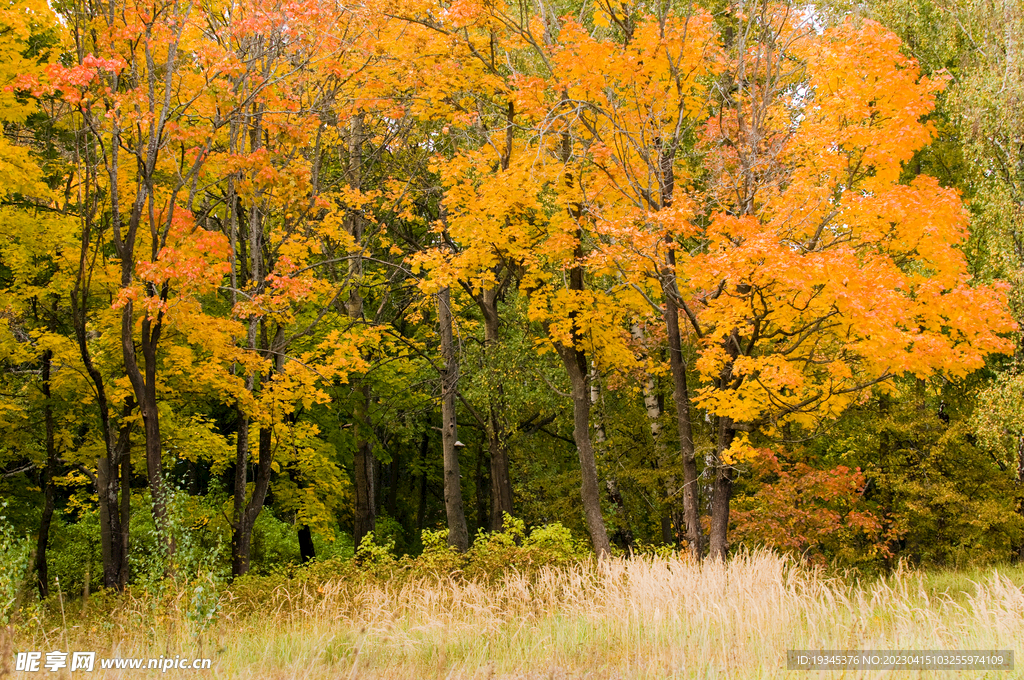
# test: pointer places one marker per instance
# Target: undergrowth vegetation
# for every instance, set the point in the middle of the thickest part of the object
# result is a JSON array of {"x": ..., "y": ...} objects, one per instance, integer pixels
[{"x": 530, "y": 604}]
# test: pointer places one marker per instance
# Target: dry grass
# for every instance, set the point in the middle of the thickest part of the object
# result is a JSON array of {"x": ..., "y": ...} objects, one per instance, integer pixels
[{"x": 640, "y": 618}]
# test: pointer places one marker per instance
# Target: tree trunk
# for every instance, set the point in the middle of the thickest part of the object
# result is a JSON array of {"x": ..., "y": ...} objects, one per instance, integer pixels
[
  {"x": 125, "y": 454},
  {"x": 394, "y": 470},
  {"x": 501, "y": 483},
  {"x": 668, "y": 536},
  {"x": 365, "y": 491},
  {"x": 622, "y": 533},
  {"x": 1020, "y": 484},
  {"x": 671, "y": 519},
  {"x": 144, "y": 388},
  {"x": 421, "y": 507},
  {"x": 241, "y": 483},
  {"x": 102, "y": 483},
  {"x": 365, "y": 515},
  {"x": 245, "y": 514},
  {"x": 378, "y": 487},
  {"x": 720, "y": 497},
  {"x": 575, "y": 362},
  {"x": 680, "y": 394},
  {"x": 307, "y": 551},
  {"x": 483, "y": 492},
  {"x": 114, "y": 527},
  {"x": 575, "y": 366},
  {"x": 681, "y": 399},
  {"x": 458, "y": 534},
  {"x": 47, "y": 481},
  {"x": 241, "y": 540},
  {"x": 595, "y": 403},
  {"x": 722, "y": 490}
]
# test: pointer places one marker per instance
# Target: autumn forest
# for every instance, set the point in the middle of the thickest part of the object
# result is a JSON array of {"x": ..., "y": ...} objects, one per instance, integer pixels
[{"x": 299, "y": 282}]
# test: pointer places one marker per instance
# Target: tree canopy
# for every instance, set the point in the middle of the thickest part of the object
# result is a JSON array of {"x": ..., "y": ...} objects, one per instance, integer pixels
[{"x": 312, "y": 275}]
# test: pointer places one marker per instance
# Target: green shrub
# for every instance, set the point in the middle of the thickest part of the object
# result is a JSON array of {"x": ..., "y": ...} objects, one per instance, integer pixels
[
  {"x": 389, "y": 531},
  {"x": 14, "y": 556},
  {"x": 374, "y": 555},
  {"x": 437, "y": 556},
  {"x": 514, "y": 547},
  {"x": 338, "y": 547},
  {"x": 275, "y": 545},
  {"x": 492, "y": 553},
  {"x": 74, "y": 551}
]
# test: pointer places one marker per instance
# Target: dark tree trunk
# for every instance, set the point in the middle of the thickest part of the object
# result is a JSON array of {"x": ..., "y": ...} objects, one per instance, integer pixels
[
  {"x": 240, "y": 485},
  {"x": 49, "y": 472},
  {"x": 125, "y": 453},
  {"x": 245, "y": 513},
  {"x": 102, "y": 482},
  {"x": 501, "y": 484},
  {"x": 365, "y": 489},
  {"x": 142, "y": 378},
  {"x": 113, "y": 526},
  {"x": 681, "y": 395},
  {"x": 306, "y": 549},
  {"x": 458, "y": 534},
  {"x": 575, "y": 362},
  {"x": 365, "y": 515},
  {"x": 667, "y": 535},
  {"x": 1020, "y": 484},
  {"x": 483, "y": 491},
  {"x": 378, "y": 487},
  {"x": 681, "y": 399},
  {"x": 144, "y": 388},
  {"x": 241, "y": 540},
  {"x": 575, "y": 366},
  {"x": 192, "y": 477},
  {"x": 421, "y": 507},
  {"x": 724, "y": 473},
  {"x": 623, "y": 533},
  {"x": 671, "y": 518},
  {"x": 719, "y": 544},
  {"x": 394, "y": 470}
]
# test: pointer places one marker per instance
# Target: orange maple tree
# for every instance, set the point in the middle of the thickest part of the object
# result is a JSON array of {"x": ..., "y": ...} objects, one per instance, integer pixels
[
  {"x": 823, "y": 271},
  {"x": 203, "y": 132},
  {"x": 750, "y": 181}
]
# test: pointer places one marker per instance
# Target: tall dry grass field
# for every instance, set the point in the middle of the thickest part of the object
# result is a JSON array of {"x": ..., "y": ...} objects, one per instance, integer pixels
[{"x": 639, "y": 618}]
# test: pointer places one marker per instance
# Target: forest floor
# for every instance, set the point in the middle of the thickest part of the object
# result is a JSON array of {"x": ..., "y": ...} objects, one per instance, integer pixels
[{"x": 639, "y": 618}]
